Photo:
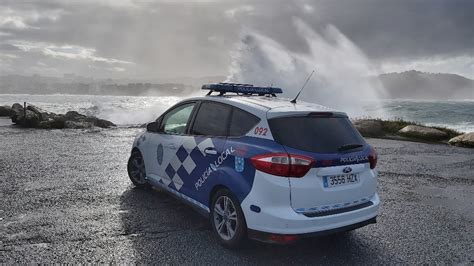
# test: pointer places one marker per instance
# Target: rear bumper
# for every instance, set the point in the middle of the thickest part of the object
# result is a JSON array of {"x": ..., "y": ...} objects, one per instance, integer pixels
[
  {"x": 284, "y": 220},
  {"x": 281, "y": 238}
]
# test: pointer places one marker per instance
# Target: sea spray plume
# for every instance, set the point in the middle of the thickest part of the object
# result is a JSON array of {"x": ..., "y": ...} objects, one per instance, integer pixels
[
  {"x": 342, "y": 71},
  {"x": 260, "y": 60},
  {"x": 131, "y": 111}
]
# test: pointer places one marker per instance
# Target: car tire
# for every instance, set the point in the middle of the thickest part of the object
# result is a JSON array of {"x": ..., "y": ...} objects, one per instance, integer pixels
[
  {"x": 227, "y": 219},
  {"x": 136, "y": 170}
]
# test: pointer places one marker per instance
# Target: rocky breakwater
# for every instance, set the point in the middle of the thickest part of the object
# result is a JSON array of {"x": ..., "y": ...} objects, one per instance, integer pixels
[
  {"x": 34, "y": 117},
  {"x": 406, "y": 130}
]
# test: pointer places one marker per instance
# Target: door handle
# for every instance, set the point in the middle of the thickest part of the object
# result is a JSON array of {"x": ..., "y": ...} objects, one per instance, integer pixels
[
  {"x": 171, "y": 146},
  {"x": 210, "y": 151}
]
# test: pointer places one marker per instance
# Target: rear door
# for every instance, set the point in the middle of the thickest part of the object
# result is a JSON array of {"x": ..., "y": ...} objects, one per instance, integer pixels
[
  {"x": 206, "y": 150},
  {"x": 341, "y": 176}
]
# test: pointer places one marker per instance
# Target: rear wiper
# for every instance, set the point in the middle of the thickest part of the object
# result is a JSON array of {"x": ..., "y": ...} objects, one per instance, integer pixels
[{"x": 346, "y": 147}]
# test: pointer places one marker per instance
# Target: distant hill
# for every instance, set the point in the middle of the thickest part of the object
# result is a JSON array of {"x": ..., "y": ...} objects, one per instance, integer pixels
[{"x": 420, "y": 85}]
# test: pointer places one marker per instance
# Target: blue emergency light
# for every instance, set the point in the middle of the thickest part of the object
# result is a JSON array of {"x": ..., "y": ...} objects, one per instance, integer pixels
[{"x": 246, "y": 89}]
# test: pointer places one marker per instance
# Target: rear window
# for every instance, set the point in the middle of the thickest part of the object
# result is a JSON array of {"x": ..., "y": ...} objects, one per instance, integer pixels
[
  {"x": 316, "y": 134},
  {"x": 241, "y": 122}
]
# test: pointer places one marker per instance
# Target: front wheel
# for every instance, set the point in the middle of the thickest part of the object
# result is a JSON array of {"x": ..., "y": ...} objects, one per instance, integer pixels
[
  {"x": 136, "y": 170},
  {"x": 227, "y": 219}
]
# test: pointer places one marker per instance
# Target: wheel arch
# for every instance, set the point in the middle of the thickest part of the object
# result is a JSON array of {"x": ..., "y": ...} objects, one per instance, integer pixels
[
  {"x": 136, "y": 149},
  {"x": 214, "y": 190}
]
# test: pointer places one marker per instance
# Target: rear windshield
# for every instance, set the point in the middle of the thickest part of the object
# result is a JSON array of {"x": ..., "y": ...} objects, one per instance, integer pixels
[{"x": 316, "y": 134}]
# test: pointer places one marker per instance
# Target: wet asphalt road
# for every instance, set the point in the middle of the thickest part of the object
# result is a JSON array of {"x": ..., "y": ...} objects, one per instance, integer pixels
[{"x": 66, "y": 197}]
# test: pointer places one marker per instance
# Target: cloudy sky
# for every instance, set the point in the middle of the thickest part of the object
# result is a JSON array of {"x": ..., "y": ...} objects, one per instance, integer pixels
[{"x": 163, "y": 39}]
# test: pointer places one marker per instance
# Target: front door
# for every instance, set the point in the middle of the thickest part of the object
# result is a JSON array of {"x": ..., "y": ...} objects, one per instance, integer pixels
[
  {"x": 188, "y": 160},
  {"x": 164, "y": 158}
]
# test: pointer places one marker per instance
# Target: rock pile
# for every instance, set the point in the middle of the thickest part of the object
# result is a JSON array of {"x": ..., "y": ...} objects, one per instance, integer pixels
[
  {"x": 34, "y": 117},
  {"x": 399, "y": 129}
]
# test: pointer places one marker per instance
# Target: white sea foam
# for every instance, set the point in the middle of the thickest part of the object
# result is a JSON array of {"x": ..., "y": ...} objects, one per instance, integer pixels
[{"x": 129, "y": 110}]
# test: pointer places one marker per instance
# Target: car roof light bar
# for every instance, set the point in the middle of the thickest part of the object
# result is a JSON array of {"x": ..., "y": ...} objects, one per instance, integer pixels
[{"x": 245, "y": 89}]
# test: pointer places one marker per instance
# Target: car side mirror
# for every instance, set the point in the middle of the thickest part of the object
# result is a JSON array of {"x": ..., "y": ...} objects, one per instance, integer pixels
[{"x": 152, "y": 127}]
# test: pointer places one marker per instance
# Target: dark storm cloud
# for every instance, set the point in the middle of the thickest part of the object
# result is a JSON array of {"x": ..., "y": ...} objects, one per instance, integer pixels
[
  {"x": 380, "y": 28},
  {"x": 194, "y": 38},
  {"x": 405, "y": 28}
]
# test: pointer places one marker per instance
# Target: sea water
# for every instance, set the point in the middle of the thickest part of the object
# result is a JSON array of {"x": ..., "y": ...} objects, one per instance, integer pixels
[{"x": 134, "y": 110}]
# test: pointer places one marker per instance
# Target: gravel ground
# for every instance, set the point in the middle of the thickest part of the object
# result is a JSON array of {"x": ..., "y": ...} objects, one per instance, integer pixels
[{"x": 66, "y": 198}]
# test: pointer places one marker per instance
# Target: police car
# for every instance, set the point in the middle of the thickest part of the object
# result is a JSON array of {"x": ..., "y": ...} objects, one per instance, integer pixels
[{"x": 260, "y": 166}]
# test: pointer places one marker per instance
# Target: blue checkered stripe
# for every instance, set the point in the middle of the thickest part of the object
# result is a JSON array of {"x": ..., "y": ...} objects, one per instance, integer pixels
[{"x": 182, "y": 163}]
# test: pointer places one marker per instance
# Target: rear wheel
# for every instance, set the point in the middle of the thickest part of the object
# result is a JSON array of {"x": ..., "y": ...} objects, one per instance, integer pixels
[
  {"x": 227, "y": 219},
  {"x": 136, "y": 170}
]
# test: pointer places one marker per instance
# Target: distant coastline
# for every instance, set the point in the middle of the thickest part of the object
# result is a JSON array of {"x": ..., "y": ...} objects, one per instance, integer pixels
[
  {"x": 408, "y": 85},
  {"x": 77, "y": 85}
]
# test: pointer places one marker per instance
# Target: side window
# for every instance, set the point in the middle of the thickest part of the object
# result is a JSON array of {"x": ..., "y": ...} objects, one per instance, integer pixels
[
  {"x": 241, "y": 122},
  {"x": 175, "y": 121},
  {"x": 212, "y": 119}
]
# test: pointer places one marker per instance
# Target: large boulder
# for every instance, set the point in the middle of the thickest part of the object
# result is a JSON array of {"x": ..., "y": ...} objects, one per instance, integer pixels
[
  {"x": 424, "y": 133},
  {"x": 369, "y": 127},
  {"x": 54, "y": 122},
  {"x": 43, "y": 115},
  {"x": 464, "y": 140},
  {"x": 28, "y": 119},
  {"x": 74, "y": 116},
  {"x": 46, "y": 124},
  {"x": 16, "y": 111},
  {"x": 100, "y": 122},
  {"x": 5, "y": 110},
  {"x": 57, "y": 121},
  {"x": 77, "y": 124},
  {"x": 77, "y": 117},
  {"x": 31, "y": 117}
]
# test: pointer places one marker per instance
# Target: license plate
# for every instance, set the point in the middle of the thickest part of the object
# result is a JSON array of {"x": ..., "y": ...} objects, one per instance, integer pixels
[{"x": 340, "y": 180}]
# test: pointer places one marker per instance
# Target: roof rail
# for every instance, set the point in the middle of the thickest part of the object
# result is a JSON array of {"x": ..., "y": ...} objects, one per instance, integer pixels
[{"x": 240, "y": 89}]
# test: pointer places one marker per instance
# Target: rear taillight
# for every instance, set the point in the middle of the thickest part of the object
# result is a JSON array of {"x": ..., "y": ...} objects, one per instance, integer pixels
[
  {"x": 283, "y": 164},
  {"x": 373, "y": 158}
]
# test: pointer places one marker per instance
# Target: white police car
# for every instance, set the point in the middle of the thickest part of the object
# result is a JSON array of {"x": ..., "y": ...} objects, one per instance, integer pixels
[{"x": 259, "y": 166}]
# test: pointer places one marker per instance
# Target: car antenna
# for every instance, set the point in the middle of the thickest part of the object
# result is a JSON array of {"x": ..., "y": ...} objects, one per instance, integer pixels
[{"x": 304, "y": 85}]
